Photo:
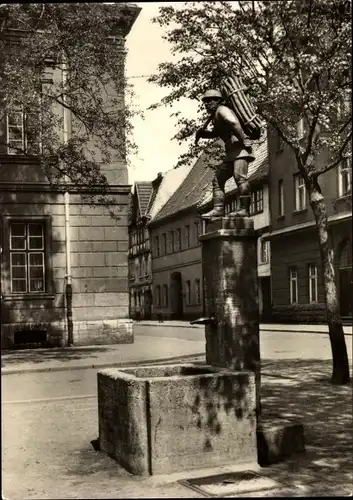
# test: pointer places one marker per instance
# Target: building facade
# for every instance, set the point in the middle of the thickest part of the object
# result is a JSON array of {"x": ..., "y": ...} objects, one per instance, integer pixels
[
  {"x": 297, "y": 286},
  {"x": 64, "y": 272},
  {"x": 146, "y": 201},
  {"x": 140, "y": 268},
  {"x": 176, "y": 251}
]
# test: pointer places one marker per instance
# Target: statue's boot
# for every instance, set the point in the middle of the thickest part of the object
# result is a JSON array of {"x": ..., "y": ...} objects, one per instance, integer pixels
[
  {"x": 218, "y": 204},
  {"x": 244, "y": 208},
  {"x": 244, "y": 201}
]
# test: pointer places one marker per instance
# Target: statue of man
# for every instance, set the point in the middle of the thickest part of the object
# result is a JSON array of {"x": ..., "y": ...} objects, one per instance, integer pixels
[{"x": 238, "y": 155}]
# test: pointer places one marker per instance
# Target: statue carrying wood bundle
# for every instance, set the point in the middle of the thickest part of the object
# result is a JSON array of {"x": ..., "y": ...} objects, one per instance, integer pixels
[
  {"x": 233, "y": 91},
  {"x": 236, "y": 123}
]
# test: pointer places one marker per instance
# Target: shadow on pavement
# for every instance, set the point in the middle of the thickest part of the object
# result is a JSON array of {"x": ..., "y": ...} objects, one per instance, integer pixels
[
  {"x": 298, "y": 390},
  {"x": 60, "y": 440},
  {"x": 301, "y": 390},
  {"x": 43, "y": 355}
]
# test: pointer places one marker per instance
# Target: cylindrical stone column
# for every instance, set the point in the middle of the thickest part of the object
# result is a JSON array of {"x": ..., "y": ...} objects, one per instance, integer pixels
[{"x": 230, "y": 283}]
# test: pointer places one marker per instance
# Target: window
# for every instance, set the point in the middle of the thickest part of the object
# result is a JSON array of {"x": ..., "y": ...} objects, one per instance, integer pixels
[
  {"x": 197, "y": 232},
  {"x": 257, "y": 204},
  {"x": 138, "y": 268},
  {"x": 165, "y": 295},
  {"x": 27, "y": 257},
  {"x": 312, "y": 272},
  {"x": 230, "y": 207},
  {"x": 23, "y": 131},
  {"x": 198, "y": 291},
  {"x": 187, "y": 236},
  {"x": 263, "y": 251},
  {"x": 300, "y": 193},
  {"x": 188, "y": 292},
  {"x": 300, "y": 129},
  {"x": 171, "y": 241},
  {"x": 147, "y": 265},
  {"x": 132, "y": 270},
  {"x": 345, "y": 177},
  {"x": 233, "y": 205},
  {"x": 280, "y": 198},
  {"x": 16, "y": 141},
  {"x": 293, "y": 285},
  {"x": 164, "y": 243},
  {"x": 157, "y": 246},
  {"x": 177, "y": 240},
  {"x": 158, "y": 295}
]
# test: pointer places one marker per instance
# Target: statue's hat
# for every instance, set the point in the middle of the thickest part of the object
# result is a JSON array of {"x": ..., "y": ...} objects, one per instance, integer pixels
[{"x": 211, "y": 94}]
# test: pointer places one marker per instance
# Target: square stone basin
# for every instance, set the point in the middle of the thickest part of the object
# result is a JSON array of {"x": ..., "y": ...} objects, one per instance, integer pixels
[{"x": 172, "y": 418}]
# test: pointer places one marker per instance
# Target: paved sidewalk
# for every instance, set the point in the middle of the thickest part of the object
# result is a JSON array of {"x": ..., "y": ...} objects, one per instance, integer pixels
[
  {"x": 144, "y": 350},
  {"x": 153, "y": 343},
  {"x": 272, "y": 327},
  {"x": 296, "y": 389}
]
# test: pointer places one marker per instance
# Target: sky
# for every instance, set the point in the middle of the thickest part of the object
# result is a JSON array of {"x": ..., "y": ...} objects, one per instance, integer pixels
[{"x": 153, "y": 135}]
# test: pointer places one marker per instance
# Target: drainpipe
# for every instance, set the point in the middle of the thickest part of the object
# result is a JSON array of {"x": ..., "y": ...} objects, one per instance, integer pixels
[{"x": 68, "y": 287}]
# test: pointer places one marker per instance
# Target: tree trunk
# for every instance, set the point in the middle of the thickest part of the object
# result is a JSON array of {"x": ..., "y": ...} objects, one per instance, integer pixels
[{"x": 340, "y": 365}]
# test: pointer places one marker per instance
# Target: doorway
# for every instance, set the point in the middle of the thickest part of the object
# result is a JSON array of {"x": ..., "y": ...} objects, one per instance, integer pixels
[
  {"x": 265, "y": 285},
  {"x": 345, "y": 279},
  {"x": 148, "y": 304},
  {"x": 345, "y": 291},
  {"x": 176, "y": 297}
]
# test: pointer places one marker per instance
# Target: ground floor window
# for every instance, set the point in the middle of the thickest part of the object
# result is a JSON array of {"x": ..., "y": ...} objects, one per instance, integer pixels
[
  {"x": 158, "y": 295},
  {"x": 312, "y": 272},
  {"x": 165, "y": 296},
  {"x": 27, "y": 257},
  {"x": 188, "y": 292},
  {"x": 293, "y": 285},
  {"x": 198, "y": 291},
  {"x": 263, "y": 251}
]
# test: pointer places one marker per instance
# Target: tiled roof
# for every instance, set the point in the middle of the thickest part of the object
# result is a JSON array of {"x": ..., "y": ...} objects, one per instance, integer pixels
[
  {"x": 197, "y": 186},
  {"x": 143, "y": 190},
  {"x": 258, "y": 170}
]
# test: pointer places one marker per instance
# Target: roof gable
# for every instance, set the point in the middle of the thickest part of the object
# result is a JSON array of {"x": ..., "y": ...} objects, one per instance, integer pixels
[
  {"x": 189, "y": 191},
  {"x": 169, "y": 184},
  {"x": 143, "y": 192}
]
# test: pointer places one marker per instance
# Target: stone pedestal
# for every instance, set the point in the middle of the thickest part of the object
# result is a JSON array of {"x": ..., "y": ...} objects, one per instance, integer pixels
[
  {"x": 171, "y": 418},
  {"x": 229, "y": 266},
  {"x": 165, "y": 419}
]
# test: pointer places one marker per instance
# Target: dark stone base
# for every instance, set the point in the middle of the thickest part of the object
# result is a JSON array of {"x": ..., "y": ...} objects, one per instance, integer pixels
[
  {"x": 278, "y": 440},
  {"x": 237, "y": 223}
]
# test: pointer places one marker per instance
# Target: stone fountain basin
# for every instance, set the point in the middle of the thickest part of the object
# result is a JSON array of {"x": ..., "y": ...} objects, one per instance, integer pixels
[{"x": 172, "y": 418}]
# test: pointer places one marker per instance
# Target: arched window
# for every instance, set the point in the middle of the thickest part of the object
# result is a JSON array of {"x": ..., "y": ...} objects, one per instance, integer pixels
[{"x": 345, "y": 254}]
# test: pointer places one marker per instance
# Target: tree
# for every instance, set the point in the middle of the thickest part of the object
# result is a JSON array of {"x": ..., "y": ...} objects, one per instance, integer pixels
[
  {"x": 71, "y": 57},
  {"x": 295, "y": 59}
]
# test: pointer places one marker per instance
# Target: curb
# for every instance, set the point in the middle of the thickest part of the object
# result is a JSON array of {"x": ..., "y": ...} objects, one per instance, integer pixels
[
  {"x": 13, "y": 371},
  {"x": 273, "y": 328},
  {"x": 185, "y": 324}
]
